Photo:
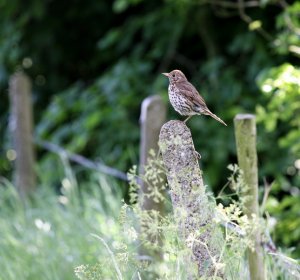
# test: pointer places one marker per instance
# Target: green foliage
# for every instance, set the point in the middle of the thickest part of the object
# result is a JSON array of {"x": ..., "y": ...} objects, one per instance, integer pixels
[
  {"x": 288, "y": 24},
  {"x": 95, "y": 68},
  {"x": 281, "y": 117},
  {"x": 285, "y": 214},
  {"x": 281, "y": 87}
]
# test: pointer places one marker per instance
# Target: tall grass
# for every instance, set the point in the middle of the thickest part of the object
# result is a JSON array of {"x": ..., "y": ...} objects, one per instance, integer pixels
[
  {"x": 89, "y": 229},
  {"x": 48, "y": 236}
]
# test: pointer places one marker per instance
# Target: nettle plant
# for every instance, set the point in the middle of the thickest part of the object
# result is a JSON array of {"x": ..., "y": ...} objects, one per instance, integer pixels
[{"x": 150, "y": 246}]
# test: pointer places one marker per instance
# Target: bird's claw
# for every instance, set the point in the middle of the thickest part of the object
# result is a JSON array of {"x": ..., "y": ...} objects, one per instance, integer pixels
[{"x": 197, "y": 155}]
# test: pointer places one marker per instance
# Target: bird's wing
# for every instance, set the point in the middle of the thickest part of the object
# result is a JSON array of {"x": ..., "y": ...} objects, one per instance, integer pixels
[
  {"x": 188, "y": 90},
  {"x": 196, "y": 100}
]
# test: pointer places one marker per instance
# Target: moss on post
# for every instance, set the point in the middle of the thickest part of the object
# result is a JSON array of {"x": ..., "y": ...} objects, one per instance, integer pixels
[
  {"x": 192, "y": 210},
  {"x": 245, "y": 135}
]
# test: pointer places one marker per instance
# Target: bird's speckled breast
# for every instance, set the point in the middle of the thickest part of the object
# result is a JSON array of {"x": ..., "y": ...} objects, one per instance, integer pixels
[{"x": 178, "y": 101}]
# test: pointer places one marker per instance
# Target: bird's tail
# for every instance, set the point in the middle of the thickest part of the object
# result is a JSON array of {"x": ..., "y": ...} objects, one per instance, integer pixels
[{"x": 215, "y": 117}]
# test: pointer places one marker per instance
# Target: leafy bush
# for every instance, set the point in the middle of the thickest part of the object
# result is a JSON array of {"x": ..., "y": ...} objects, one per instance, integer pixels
[{"x": 281, "y": 119}]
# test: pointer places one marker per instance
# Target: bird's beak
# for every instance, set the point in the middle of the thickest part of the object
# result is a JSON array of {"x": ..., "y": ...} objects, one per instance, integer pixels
[{"x": 166, "y": 74}]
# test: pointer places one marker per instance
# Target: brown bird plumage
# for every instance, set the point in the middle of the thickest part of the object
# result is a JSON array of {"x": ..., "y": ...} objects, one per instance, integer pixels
[{"x": 184, "y": 97}]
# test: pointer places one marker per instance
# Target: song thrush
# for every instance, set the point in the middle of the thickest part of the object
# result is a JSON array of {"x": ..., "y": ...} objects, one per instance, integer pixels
[{"x": 184, "y": 97}]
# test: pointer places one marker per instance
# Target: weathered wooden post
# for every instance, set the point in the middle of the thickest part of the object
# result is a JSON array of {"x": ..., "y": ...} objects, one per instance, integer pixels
[
  {"x": 21, "y": 126},
  {"x": 192, "y": 210},
  {"x": 245, "y": 135},
  {"x": 153, "y": 116}
]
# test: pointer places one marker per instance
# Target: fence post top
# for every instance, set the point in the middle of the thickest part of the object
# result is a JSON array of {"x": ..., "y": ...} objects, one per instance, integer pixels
[
  {"x": 150, "y": 100},
  {"x": 174, "y": 126},
  {"x": 244, "y": 117},
  {"x": 20, "y": 80},
  {"x": 157, "y": 107},
  {"x": 18, "y": 74}
]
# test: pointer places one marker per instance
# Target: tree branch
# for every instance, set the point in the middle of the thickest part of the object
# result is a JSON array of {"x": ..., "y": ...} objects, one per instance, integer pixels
[{"x": 82, "y": 160}]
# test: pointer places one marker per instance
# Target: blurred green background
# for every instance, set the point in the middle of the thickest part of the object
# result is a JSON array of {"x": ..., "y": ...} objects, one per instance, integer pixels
[{"x": 93, "y": 62}]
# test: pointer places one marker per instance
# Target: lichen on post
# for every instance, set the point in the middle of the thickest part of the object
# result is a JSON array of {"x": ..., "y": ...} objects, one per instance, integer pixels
[{"x": 193, "y": 211}]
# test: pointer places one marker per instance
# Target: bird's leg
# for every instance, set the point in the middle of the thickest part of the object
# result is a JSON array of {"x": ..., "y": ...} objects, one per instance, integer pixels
[{"x": 187, "y": 119}]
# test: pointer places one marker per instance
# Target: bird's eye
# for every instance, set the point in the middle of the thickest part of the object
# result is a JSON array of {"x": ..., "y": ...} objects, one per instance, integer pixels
[{"x": 173, "y": 75}]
